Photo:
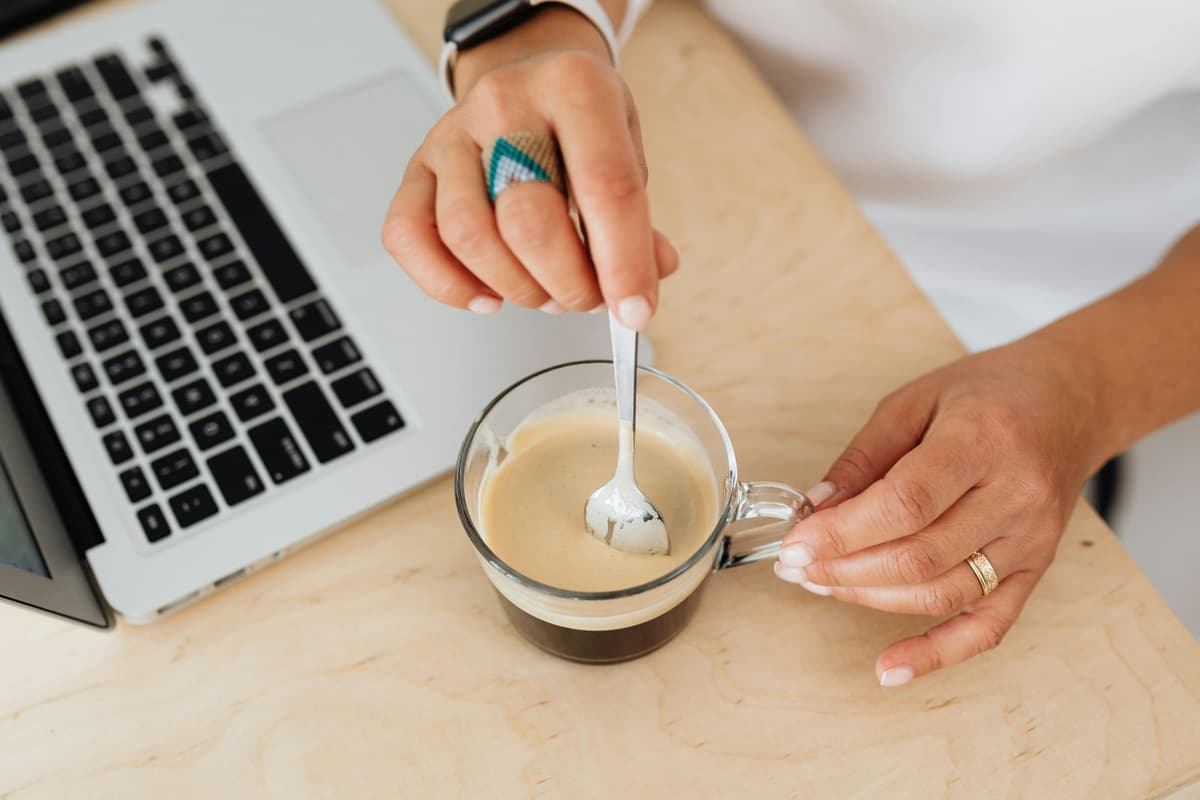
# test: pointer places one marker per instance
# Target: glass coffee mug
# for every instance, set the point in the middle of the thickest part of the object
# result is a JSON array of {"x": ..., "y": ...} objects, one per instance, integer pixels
[{"x": 610, "y": 626}]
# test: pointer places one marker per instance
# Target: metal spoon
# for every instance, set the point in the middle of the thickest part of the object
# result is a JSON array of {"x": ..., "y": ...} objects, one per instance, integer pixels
[{"x": 619, "y": 513}]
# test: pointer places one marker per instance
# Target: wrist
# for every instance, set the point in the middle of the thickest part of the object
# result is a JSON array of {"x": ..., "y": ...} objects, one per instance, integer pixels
[{"x": 551, "y": 28}]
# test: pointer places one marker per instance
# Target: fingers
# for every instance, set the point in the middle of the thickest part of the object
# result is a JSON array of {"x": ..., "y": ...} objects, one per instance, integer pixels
[
  {"x": 924, "y": 555},
  {"x": 410, "y": 235},
  {"x": 666, "y": 257},
  {"x": 960, "y": 638},
  {"x": 915, "y": 492}
]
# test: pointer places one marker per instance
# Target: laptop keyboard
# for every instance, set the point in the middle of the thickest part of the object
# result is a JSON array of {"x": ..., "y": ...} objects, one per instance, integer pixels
[{"x": 201, "y": 346}]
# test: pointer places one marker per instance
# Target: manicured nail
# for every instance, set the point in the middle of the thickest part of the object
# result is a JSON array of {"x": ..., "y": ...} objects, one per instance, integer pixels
[
  {"x": 896, "y": 676},
  {"x": 600, "y": 309},
  {"x": 551, "y": 307},
  {"x": 483, "y": 304},
  {"x": 796, "y": 555},
  {"x": 634, "y": 312},
  {"x": 824, "y": 591},
  {"x": 790, "y": 574},
  {"x": 821, "y": 492}
]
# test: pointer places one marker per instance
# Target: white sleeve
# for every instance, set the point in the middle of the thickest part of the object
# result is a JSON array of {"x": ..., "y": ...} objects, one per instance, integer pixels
[{"x": 633, "y": 12}]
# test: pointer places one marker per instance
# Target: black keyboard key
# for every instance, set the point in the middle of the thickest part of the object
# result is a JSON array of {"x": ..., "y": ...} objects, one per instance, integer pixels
[
  {"x": 69, "y": 162},
  {"x": 193, "y": 396},
  {"x": 6, "y": 111},
  {"x": 215, "y": 338},
  {"x": 68, "y": 344},
  {"x": 278, "y": 261},
  {"x": 11, "y": 222},
  {"x": 66, "y": 245},
  {"x": 24, "y": 251},
  {"x": 175, "y": 364},
  {"x": 92, "y": 304},
  {"x": 167, "y": 165},
  {"x": 152, "y": 139},
  {"x": 116, "y": 76},
  {"x": 193, "y": 506},
  {"x": 120, "y": 168},
  {"x": 77, "y": 275},
  {"x": 141, "y": 399},
  {"x": 251, "y": 403},
  {"x": 160, "y": 71},
  {"x": 215, "y": 246},
  {"x": 106, "y": 139},
  {"x": 74, "y": 84},
  {"x": 101, "y": 411},
  {"x": 207, "y": 146},
  {"x": 127, "y": 272},
  {"x": 377, "y": 421},
  {"x": 139, "y": 114},
  {"x": 56, "y": 138},
  {"x": 53, "y": 311},
  {"x": 137, "y": 488},
  {"x": 11, "y": 139},
  {"x": 318, "y": 422},
  {"x": 135, "y": 193},
  {"x": 23, "y": 165},
  {"x": 315, "y": 320},
  {"x": 185, "y": 90},
  {"x": 189, "y": 118},
  {"x": 31, "y": 89},
  {"x": 154, "y": 524},
  {"x": 286, "y": 366},
  {"x": 83, "y": 189},
  {"x": 108, "y": 335},
  {"x": 93, "y": 117},
  {"x": 156, "y": 434},
  {"x": 199, "y": 217},
  {"x": 233, "y": 369},
  {"x": 173, "y": 469},
  {"x": 143, "y": 301},
  {"x": 266, "y": 335},
  {"x": 118, "y": 447},
  {"x": 336, "y": 355},
  {"x": 356, "y": 387},
  {"x": 183, "y": 191},
  {"x": 98, "y": 216},
  {"x": 211, "y": 430},
  {"x": 84, "y": 377},
  {"x": 166, "y": 248},
  {"x": 123, "y": 367},
  {"x": 113, "y": 243},
  {"x": 52, "y": 217},
  {"x": 36, "y": 190},
  {"x": 159, "y": 332},
  {"x": 46, "y": 113},
  {"x": 150, "y": 220},
  {"x": 249, "y": 304},
  {"x": 231, "y": 275},
  {"x": 279, "y": 451},
  {"x": 39, "y": 281},
  {"x": 199, "y": 306},
  {"x": 182, "y": 277},
  {"x": 235, "y": 475}
]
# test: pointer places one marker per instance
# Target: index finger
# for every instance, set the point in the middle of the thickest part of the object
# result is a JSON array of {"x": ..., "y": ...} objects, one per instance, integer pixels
[{"x": 606, "y": 180}]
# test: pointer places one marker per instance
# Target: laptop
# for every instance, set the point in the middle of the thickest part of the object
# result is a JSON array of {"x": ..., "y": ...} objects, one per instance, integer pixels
[{"x": 207, "y": 357}]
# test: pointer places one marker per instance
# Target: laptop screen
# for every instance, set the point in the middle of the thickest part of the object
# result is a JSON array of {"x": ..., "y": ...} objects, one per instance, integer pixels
[{"x": 18, "y": 548}]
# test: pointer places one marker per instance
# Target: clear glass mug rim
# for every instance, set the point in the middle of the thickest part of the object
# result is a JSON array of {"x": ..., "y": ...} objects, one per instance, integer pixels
[{"x": 722, "y": 521}]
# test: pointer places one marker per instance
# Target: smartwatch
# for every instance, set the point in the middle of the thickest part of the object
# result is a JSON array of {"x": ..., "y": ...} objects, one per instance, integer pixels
[{"x": 472, "y": 22}]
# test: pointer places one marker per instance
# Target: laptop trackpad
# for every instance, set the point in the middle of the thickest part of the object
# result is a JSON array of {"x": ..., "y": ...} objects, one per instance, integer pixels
[{"x": 348, "y": 152}]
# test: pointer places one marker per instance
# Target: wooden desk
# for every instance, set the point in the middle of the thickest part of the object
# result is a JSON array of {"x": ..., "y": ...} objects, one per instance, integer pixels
[{"x": 378, "y": 664}]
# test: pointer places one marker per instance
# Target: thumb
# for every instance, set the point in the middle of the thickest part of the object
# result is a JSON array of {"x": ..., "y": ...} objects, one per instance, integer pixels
[{"x": 895, "y": 427}]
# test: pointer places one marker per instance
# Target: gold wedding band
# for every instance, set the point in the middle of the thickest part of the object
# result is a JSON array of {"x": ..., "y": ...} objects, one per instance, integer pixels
[
  {"x": 522, "y": 157},
  {"x": 985, "y": 573}
]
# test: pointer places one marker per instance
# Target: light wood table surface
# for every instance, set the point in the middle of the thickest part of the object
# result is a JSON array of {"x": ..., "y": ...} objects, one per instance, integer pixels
[{"x": 378, "y": 663}]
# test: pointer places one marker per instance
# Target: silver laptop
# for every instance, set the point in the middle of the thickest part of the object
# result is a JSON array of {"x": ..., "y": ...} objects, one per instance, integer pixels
[{"x": 207, "y": 357}]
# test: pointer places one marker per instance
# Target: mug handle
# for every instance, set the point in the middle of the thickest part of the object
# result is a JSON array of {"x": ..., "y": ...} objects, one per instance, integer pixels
[{"x": 761, "y": 501}]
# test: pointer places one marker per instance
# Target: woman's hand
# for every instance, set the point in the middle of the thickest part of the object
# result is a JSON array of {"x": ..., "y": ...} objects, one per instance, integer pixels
[
  {"x": 988, "y": 453},
  {"x": 443, "y": 231}
]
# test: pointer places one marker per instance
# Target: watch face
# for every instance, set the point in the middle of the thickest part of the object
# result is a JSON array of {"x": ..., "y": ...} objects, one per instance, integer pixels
[{"x": 469, "y": 22}]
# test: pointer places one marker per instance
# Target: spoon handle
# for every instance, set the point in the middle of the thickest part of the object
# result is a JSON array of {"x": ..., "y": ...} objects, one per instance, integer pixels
[{"x": 624, "y": 350}]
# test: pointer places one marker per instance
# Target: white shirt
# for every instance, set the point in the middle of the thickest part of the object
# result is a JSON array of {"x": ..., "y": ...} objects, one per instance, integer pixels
[{"x": 1023, "y": 157}]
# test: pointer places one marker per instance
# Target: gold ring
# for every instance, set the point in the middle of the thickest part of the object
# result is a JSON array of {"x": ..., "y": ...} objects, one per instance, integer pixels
[
  {"x": 985, "y": 573},
  {"x": 520, "y": 158}
]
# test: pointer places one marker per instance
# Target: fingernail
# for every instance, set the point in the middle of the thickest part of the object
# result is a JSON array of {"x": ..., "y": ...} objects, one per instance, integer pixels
[
  {"x": 821, "y": 492},
  {"x": 600, "y": 309},
  {"x": 634, "y": 312},
  {"x": 483, "y": 304},
  {"x": 796, "y": 555},
  {"x": 896, "y": 676},
  {"x": 815, "y": 588},
  {"x": 790, "y": 574},
  {"x": 551, "y": 307}
]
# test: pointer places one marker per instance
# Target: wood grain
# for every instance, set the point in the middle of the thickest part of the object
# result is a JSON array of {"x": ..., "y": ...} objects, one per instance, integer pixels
[{"x": 377, "y": 663}]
